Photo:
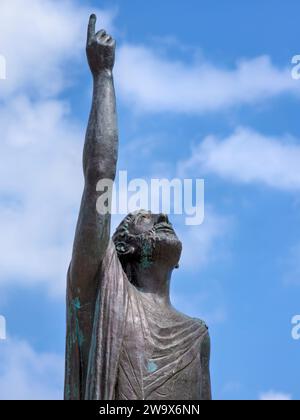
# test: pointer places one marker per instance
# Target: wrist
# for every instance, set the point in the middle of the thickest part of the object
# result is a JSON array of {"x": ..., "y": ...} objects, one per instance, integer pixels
[{"x": 103, "y": 73}]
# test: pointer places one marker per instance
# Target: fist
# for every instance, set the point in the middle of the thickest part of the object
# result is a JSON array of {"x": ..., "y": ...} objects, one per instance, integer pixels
[{"x": 100, "y": 49}]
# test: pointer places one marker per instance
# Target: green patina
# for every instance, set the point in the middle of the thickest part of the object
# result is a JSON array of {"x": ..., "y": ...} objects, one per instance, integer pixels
[
  {"x": 68, "y": 392},
  {"x": 152, "y": 367},
  {"x": 146, "y": 259},
  {"x": 76, "y": 303},
  {"x": 77, "y": 335}
]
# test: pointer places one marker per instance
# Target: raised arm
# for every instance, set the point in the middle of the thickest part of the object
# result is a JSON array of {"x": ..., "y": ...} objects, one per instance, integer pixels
[{"x": 99, "y": 162}]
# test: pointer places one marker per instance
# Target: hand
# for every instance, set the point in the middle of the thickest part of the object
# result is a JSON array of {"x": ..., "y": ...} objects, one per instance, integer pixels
[{"x": 100, "y": 49}]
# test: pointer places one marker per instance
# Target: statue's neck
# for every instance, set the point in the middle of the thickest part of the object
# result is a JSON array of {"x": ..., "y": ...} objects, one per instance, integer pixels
[{"x": 154, "y": 281}]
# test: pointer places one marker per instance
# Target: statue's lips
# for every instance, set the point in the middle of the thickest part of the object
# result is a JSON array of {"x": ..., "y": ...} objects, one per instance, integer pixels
[{"x": 164, "y": 227}]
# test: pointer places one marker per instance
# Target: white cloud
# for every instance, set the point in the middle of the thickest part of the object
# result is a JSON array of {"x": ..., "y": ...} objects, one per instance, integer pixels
[
  {"x": 38, "y": 38},
  {"x": 275, "y": 396},
  {"x": 41, "y": 146},
  {"x": 249, "y": 157},
  {"x": 40, "y": 186},
  {"x": 156, "y": 83},
  {"x": 28, "y": 375}
]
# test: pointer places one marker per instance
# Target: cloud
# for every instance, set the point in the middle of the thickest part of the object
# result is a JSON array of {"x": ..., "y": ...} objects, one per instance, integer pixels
[
  {"x": 28, "y": 375},
  {"x": 40, "y": 188},
  {"x": 275, "y": 396},
  {"x": 41, "y": 145},
  {"x": 247, "y": 157},
  {"x": 155, "y": 83},
  {"x": 38, "y": 39}
]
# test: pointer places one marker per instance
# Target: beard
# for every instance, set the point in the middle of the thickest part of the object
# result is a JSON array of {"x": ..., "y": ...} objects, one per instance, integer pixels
[{"x": 160, "y": 247}]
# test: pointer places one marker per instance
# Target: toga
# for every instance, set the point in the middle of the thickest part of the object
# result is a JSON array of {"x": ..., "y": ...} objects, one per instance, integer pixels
[{"x": 129, "y": 350}]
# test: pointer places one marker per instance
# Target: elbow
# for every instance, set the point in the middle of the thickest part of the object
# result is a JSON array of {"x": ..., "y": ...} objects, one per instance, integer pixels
[{"x": 94, "y": 174}]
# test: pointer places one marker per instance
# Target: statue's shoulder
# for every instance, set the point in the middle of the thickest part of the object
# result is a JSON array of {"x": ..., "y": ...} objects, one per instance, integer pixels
[
  {"x": 183, "y": 317},
  {"x": 202, "y": 324},
  {"x": 205, "y": 341}
]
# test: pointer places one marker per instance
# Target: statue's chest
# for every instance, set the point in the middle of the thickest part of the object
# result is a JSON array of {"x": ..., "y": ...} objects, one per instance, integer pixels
[{"x": 159, "y": 358}]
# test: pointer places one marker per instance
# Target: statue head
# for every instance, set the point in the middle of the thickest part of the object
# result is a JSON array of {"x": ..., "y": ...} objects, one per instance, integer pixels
[{"x": 145, "y": 238}]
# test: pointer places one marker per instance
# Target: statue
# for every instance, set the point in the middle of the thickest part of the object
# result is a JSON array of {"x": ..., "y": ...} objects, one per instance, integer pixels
[{"x": 125, "y": 341}]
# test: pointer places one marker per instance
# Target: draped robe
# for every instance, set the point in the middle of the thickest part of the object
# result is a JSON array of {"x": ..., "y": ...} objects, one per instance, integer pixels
[{"x": 122, "y": 347}]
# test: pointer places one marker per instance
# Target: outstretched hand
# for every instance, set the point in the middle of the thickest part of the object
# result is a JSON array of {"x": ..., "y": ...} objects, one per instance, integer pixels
[{"x": 100, "y": 48}]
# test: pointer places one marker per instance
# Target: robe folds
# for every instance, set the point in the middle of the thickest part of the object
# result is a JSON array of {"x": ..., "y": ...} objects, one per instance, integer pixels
[{"x": 121, "y": 347}]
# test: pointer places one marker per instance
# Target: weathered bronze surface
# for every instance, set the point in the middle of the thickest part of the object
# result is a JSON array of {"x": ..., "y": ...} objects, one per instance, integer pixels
[{"x": 124, "y": 338}]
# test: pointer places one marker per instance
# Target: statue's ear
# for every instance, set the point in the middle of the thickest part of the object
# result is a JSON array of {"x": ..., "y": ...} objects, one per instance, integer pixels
[{"x": 123, "y": 248}]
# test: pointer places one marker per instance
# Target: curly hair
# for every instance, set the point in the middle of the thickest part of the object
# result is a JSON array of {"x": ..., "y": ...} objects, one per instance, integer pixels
[{"x": 125, "y": 241}]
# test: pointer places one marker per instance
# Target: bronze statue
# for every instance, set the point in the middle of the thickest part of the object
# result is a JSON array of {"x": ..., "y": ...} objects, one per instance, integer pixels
[{"x": 125, "y": 341}]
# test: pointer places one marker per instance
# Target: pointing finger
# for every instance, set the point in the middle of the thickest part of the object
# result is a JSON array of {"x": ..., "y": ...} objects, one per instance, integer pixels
[{"x": 91, "y": 28}]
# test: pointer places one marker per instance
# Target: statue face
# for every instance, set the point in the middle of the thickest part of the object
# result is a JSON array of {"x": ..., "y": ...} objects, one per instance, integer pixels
[
  {"x": 148, "y": 237},
  {"x": 157, "y": 231},
  {"x": 146, "y": 221}
]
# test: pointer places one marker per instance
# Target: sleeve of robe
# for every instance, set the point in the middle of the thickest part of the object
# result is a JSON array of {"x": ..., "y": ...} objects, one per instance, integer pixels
[{"x": 92, "y": 374}]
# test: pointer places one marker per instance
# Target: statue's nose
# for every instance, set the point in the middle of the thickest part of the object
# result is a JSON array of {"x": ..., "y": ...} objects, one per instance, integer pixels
[{"x": 162, "y": 218}]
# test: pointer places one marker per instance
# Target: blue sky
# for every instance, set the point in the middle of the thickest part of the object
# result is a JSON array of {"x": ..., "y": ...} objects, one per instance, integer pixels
[{"x": 205, "y": 91}]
